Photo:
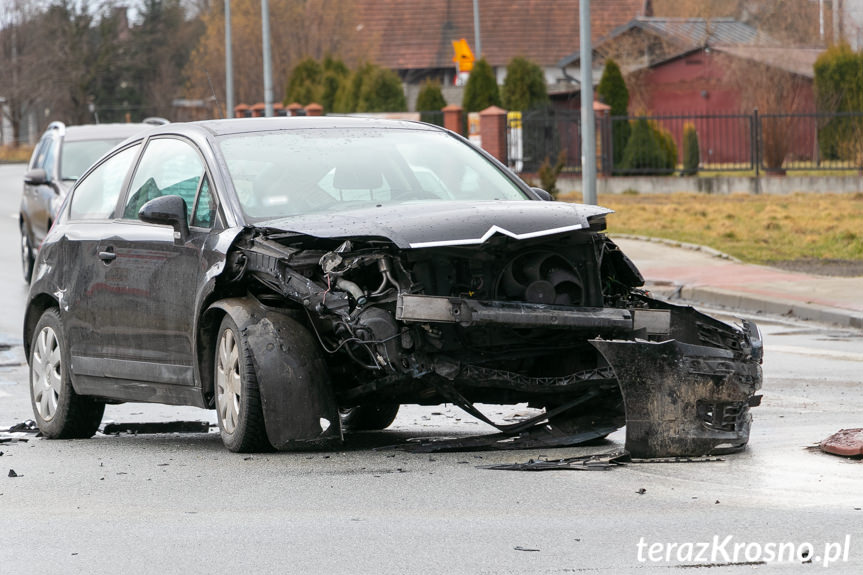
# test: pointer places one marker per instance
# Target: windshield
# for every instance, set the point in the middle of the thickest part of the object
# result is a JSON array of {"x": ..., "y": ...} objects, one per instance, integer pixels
[
  {"x": 296, "y": 172},
  {"x": 76, "y": 157}
]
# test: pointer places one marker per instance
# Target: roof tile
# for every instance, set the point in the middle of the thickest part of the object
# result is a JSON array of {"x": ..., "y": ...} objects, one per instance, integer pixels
[{"x": 415, "y": 34}]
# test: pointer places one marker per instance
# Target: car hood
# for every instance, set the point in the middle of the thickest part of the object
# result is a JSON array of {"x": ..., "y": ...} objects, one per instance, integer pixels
[{"x": 421, "y": 225}]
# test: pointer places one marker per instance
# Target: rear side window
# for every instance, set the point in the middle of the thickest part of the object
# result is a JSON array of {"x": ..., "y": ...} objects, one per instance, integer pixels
[
  {"x": 168, "y": 167},
  {"x": 96, "y": 196},
  {"x": 205, "y": 210}
]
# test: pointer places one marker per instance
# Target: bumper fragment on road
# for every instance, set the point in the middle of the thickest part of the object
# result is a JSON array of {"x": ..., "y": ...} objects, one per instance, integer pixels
[{"x": 845, "y": 442}]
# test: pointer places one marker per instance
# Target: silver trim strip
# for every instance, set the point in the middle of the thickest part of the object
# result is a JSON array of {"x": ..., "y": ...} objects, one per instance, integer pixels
[{"x": 494, "y": 230}]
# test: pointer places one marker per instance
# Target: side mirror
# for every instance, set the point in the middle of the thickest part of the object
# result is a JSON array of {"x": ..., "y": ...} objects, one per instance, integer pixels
[
  {"x": 36, "y": 177},
  {"x": 543, "y": 195},
  {"x": 168, "y": 211}
]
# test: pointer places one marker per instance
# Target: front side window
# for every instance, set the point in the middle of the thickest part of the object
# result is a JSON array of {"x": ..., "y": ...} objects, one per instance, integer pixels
[
  {"x": 168, "y": 167},
  {"x": 48, "y": 162},
  {"x": 41, "y": 152},
  {"x": 294, "y": 172},
  {"x": 95, "y": 197}
]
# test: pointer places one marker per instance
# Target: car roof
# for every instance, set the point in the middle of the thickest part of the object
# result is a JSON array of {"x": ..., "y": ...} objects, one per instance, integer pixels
[
  {"x": 101, "y": 131},
  {"x": 244, "y": 125}
]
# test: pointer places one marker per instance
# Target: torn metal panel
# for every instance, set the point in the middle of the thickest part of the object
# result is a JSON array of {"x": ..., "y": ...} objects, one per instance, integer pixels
[
  {"x": 555, "y": 428},
  {"x": 283, "y": 379},
  {"x": 682, "y": 399},
  {"x": 540, "y": 436},
  {"x": 598, "y": 462},
  {"x": 601, "y": 461}
]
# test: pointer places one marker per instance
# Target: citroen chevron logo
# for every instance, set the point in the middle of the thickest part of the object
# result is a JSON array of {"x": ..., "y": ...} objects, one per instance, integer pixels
[{"x": 495, "y": 230}]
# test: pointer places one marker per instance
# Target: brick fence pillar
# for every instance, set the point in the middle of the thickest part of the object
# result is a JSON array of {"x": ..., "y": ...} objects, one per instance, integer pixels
[
  {"x": 492, "y": 129},
  {"x": 294, "y": 109},
  {"x": 453, "y": 118}
]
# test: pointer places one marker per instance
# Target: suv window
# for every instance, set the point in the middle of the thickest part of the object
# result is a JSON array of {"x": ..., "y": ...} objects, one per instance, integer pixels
[
  {"x": 77, "y": 156},
  {"x": 168, "y": 167},
  {"x": 96, "y": 195},
  {"x": 43, "y": 157}
]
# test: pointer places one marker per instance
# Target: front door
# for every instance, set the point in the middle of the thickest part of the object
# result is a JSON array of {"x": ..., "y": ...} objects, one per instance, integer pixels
[{"x": 143, "y": 297}]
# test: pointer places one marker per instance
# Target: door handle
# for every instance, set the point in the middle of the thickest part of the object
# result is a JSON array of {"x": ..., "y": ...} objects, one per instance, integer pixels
[{"x": 107, "y": 256}]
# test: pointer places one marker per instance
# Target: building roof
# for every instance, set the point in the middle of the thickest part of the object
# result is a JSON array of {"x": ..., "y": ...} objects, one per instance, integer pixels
[
  {"x": 699, "y": 31},
  {"x": 799, "y": 61},
  {"x": 418, "y": 34},
  {"x": 684, "y": 33}
]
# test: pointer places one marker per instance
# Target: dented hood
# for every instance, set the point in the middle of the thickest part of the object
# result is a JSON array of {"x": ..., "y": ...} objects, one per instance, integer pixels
[{"x": 419, "y": 225}]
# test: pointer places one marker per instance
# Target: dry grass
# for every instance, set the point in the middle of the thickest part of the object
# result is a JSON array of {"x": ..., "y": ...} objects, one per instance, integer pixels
[
  {"x": 754, "y": 228},
  {"x": 15, "y": 155}
]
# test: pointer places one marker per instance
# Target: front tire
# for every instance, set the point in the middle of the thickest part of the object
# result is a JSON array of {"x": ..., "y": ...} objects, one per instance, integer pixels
[
  {"x": 60, "y": 413},
  {"x": 368, "y": 417},
  {"x": 238, "y": 401}
]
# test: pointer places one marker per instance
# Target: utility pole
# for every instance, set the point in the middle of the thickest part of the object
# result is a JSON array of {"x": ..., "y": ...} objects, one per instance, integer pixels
[
  {"x": 268, "y": 67},
  {"x": 836, "y": 8},
  {"x": 588, "y": 130},
  {"x": 821, "y": 20},
  {"x": 476, "y": 29},
  {"x": 229, "y": 64}
]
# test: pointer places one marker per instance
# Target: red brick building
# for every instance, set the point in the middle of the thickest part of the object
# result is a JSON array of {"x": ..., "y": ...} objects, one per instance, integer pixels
[{"x": 414, "y": 37}]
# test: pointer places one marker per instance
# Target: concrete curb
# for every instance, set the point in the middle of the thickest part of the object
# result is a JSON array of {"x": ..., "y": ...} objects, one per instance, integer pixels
[
  {"x": 732, "y": 300},
  {"x": 675, "y": 244}
]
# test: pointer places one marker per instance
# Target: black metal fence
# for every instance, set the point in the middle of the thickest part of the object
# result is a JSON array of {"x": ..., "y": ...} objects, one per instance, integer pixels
[{"x": 751, "y": 142}]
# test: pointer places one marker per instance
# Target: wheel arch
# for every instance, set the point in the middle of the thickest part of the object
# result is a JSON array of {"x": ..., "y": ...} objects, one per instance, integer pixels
[
  {"x": 35, "y": 309},
  {"x": 205, "y": 347},
  {"x": 295, "y": 389}
]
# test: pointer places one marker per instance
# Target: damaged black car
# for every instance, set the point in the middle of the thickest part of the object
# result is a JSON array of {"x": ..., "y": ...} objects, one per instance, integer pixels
[{"x": 305, "y": 277}]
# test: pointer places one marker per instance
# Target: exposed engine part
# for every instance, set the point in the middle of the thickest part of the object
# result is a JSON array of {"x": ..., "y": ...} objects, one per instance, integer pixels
[
  {"x": 541, "y": 277},
  {"x": 353, "y": 289}
]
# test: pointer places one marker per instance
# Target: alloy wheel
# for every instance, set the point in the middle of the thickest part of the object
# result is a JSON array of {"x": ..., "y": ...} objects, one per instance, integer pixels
[
  {"x": 47, "y": 376},
  {"x": 228, "y": 381}
]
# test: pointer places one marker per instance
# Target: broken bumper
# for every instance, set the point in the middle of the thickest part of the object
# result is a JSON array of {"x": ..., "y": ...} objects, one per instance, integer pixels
[
  {"x": 682, "y": 399},
  {"x": 687, "y": 386}
]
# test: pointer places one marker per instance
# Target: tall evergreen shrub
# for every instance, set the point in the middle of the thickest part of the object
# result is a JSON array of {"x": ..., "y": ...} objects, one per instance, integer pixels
[
  {"x": 524, "y": 86},
  {"x": 430, "y": 102},
  {"x": 613, "y": 92},
  {"x": 481, "y": 90},
  {"x": 691, "y": 152}
]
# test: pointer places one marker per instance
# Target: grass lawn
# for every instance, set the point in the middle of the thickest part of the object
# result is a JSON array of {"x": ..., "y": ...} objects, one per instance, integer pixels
[
  {"x": 755, "y": 228},
  {"x": 18, "y": 155}
]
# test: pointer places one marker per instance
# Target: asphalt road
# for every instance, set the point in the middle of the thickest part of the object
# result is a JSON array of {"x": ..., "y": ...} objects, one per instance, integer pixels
[{"x": 175, "y": 503}]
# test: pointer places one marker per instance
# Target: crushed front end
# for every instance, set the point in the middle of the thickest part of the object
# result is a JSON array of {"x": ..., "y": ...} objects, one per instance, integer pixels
[{"x": 556, "y": 320}]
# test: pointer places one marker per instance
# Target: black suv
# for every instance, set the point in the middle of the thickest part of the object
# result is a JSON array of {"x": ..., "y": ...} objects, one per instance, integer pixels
[{"x": 63, "y": 154}]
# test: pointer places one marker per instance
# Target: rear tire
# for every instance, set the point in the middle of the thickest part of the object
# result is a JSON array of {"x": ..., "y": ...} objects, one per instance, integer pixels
[
  {"x": 238, "y": 401},
  {"x": 369, "y": 417},
  {"x": 60, "y": 413}
]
